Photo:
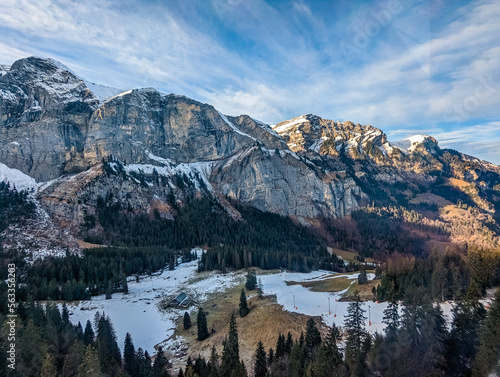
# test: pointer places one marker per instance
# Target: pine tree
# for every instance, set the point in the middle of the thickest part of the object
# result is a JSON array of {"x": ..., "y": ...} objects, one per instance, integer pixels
[
  {"x": 463, "y": 342},
  {"x": 288, "y": 343},
  {"x": 391, "y": 319},
  {"x": 362, "y": 278},
  {"x": 230, "y": 351},
  {"x": 160, "y": 365},
  {"x": 243, "y": 304},
  {"x": 312, "y": 339},
  {"x": 356, "y": 336},
  {"x": 90, "y": 367},
  {"x": 487, "y": 357},
  {"x": 48, "y": 367},
  {"x": 187, "y": 321},
  {"x": 73, "y": 359},
  {"x": 260, "y": 368},
  {"x": 65, "y": 314},
  {"x": 329, "y": 361},
  {"x": 106, "y": 345},
  {"x": 280, "y": 346},
  {"x": 201, "y": 322},
  {"x": 251, "y": 280},
  {"x": 129, "y": 356},
  {"x": 88, "y": 334}
]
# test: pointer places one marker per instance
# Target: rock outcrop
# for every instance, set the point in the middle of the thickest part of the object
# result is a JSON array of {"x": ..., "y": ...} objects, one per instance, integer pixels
[{"x": 53, "y": 128}]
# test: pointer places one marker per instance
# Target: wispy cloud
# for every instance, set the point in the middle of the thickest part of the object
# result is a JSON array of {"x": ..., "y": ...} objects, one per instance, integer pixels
[{"x": 429, "y": 65}]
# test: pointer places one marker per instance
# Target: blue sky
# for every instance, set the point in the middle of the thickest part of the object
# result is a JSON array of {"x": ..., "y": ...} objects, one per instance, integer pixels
[{"x": 431, "y": 67}]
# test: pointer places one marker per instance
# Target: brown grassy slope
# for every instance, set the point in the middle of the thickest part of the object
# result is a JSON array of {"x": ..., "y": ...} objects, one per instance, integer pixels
[{"x": 264, "y": 322}]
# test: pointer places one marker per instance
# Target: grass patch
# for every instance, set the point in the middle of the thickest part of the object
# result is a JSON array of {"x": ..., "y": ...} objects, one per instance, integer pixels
[
  {"x": 325, "y": 285},
  {"x": 350, "y": 256},
  {"x": 264, "y": 322}
]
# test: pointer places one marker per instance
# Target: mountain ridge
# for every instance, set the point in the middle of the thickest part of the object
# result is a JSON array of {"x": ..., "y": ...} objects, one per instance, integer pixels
[{"x": 158, "y": 150}]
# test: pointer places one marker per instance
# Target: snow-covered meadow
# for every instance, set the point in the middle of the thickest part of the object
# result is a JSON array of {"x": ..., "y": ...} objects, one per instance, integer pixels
[{"x": 137, "y": 312}]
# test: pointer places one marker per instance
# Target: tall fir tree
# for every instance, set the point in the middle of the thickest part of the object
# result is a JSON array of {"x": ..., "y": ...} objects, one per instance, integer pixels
[
  {"x": 231, "y": 365},
  {"x": 312, "y": 339},
  {"x": 260, "y": 367},
  {"x": 129, "y": 356},
  {"x": 106, "y": 345},
  {"x": 88, "y": 334},
  {"x": 243, "y": 303},
  {"x": 160, "y": 364},
  {"x": 487, "y": 358},
  {"x": 186, "y": 321},
  {"x": 90, "y": 366},
  {"x": 201, "y": 322},
  {"x": 355, "y": 355}
]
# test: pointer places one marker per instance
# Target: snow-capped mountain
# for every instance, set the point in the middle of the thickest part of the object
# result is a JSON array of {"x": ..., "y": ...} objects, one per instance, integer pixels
[{"x": 147, "y": 148}]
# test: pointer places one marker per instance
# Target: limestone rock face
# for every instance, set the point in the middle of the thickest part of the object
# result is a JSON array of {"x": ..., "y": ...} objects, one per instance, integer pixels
[
  {"x": 152, "y": 150},
  {"x": 44, "y": 113},
  {"x": 283, "y": 183}
]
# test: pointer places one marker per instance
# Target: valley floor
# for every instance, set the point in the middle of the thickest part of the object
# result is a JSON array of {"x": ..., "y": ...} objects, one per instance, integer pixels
[{"x": 293, "y": 294}]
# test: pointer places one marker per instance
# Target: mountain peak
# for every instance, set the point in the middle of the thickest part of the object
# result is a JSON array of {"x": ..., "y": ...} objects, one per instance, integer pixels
[
  {"x": 413, "y": 142},
  {"x": 311, "y": 132}
]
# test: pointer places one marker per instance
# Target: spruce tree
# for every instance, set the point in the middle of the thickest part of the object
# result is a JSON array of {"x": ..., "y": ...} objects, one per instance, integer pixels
[
  {"x": 73, "y": 359},
  {"x": 391, "y": 319},
  {"x": 487, "y": 357},
  {"x": 48, "y": 367},
  {"x": 107, "y": 347},
  {"x": 243, "y": 303},
  {"x": 230, "y": 351},
  {"x": 90, "y": 367},
  {"x": 129, "y": 356},
  {"x": 312, "y": 339},
  {"x": 160, "y": 364},
  {"x": 356, "y": 336},
  {"x": 186, "y": 321},
  {"x": 201, "y": 322},
  {"x": 260, "y": 367},
  {"x": 463, "y": 342},
  {"x": 88, "y": 334},
  {"x": 329, "y": 361},
  {"x": 251, "y": 280}
]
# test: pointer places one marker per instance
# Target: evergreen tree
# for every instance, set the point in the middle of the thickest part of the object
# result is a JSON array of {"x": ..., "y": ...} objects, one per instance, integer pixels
[
  {"x": 356, "y": 336},
  {"x": 487, "y": 359},
  {"x": 129, "y": 357},
  {"x": 32, "y": 350},
  {"x": 48, "y": 367},
  {"x": 312, "y": 339},
  {"x": 391, "y": 319},
  {"x": 160, "y": 365},
  {"x": 329, "y": 359},
  {"x": 243, "y": 304},
  {"x": 107, "y": 346},
  {"x": 463, "y": 342},
  {"x": 251, "y": 280},
  {"x": 143, "y": 363},
  {"x": 288, "y": 343},
  {"x": 260, "y": 368},
  {"x": 90, "y": 367},
  {"x": 201, "y": 322},
  {"x": 73, "y": 359},
  {"x": 65, "y": 314},
  {"x": 187, "y": 321},
  {"x": 88, "y": 334},
  {"x": 230, "y": 361},
  {"x": 362, "y": 277}
]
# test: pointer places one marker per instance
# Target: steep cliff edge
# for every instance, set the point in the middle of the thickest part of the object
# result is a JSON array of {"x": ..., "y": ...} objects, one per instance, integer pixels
[{"x": 152, "y": 152}]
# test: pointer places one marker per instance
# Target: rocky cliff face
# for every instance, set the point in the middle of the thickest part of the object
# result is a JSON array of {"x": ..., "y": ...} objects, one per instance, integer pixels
[{"x": 53, "y": 128}]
